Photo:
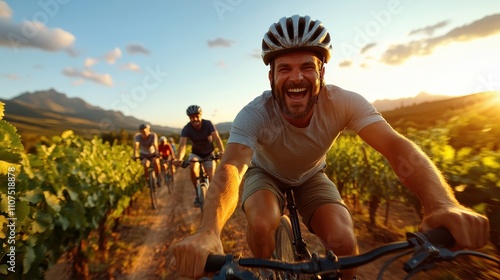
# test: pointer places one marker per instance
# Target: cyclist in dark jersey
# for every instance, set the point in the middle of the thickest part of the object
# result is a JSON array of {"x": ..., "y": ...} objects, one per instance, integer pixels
[{"x": 202, "y": 133}]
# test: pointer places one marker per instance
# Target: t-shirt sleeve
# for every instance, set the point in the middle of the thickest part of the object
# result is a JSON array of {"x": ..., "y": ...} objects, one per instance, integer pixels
[
  {"x": 211, "y": 126},
  {"x": 243, "y": 129},
  {"x": 360, "y": 112}
]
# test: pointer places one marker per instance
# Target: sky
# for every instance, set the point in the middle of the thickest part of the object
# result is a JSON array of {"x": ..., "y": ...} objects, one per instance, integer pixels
[{"x": 152, "y": 59}]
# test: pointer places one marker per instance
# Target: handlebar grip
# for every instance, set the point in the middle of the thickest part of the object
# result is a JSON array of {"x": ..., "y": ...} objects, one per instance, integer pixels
[
  {"x": 215, "y": 263},
  {"x": 440, "y": 236}
]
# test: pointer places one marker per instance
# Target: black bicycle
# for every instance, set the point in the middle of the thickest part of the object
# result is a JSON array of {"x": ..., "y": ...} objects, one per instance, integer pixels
[
  {"x": 152, "y": 182},
  {"x": 202, "y": 181},
  {"x": 168, "y": 173},
  {"x": 293, "y": 260}
]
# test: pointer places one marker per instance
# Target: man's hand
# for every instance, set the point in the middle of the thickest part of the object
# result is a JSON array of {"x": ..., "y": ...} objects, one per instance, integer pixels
[
  {"x": 191, "y": 253},
  {"x": 470, "y": 229}
]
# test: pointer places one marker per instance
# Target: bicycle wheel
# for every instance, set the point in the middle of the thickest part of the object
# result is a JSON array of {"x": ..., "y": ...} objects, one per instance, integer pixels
[
  {"x": 284, "y": 249},
  {"x": 202, "y": 192},
  {"x": 152, "y": 190},
  {"x": 169, "y": 182}
]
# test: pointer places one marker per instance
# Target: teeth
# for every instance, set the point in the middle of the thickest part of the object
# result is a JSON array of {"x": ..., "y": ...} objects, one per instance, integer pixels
[{"x": 296, "y": 89}]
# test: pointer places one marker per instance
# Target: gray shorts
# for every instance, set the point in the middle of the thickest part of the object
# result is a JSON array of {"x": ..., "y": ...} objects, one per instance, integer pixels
[
  {"x": 317, "y": 191},
  {"x": 207, "y": 164}
]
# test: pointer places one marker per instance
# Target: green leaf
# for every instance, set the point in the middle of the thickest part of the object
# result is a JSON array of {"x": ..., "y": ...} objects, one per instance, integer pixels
[
  {"x": 67, "y": 134},
  {"x": 29, "y": 257},
  {"x": 38, "y": 227},
  {"x": 3, "y": 267},
  {"x": 33, "y": 196},
  {"x": 3, "y": 221},
  {"x": 52, "y": 201}
]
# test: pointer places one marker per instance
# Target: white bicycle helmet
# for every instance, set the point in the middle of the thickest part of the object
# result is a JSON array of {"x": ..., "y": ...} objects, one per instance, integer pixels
[
  {"x": 296, "y": 33},
  {"x": 163, "y": 139},
  {"x": 193, "y": 109}
]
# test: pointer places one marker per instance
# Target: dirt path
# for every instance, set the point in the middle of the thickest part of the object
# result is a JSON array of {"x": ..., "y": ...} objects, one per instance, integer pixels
[{"x": 141, "y": 245}]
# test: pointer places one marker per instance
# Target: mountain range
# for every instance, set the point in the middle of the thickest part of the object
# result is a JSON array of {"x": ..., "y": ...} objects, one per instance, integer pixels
[
  {"x": 50, "y": 112},
  {"x": 384, "y": 105}
]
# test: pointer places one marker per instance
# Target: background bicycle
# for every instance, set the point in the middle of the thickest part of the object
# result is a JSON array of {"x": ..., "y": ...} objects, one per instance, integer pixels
[
  {"x": 202, "y": 181},
  {"x": 168, "y": 173},
  {"x": 152, "y": 181}
]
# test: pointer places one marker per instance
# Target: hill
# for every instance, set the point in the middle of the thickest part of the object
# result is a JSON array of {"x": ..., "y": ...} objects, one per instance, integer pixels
[
  {"x": 391, "y": 104},
  {"x": 49, "y": 113}
]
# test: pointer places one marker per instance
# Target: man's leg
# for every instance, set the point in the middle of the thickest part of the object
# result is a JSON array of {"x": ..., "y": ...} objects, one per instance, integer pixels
[
  {"x": 263, "y": 214},
  {"x": 195, "y": 167},
  {"x": 145, "y": 164},
  {"x": 325, "y": 214},
  {"x": 156, "y": 165},
  {"x": 332, "y": 223}
]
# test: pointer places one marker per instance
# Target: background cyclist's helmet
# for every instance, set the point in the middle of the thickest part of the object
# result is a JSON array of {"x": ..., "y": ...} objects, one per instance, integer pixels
[
  {"x": 163, "y": 139},
  {"x": 143, "y": 126},
  {"x": 193, "y": 110},
  {"x": 296, "y": 33}
]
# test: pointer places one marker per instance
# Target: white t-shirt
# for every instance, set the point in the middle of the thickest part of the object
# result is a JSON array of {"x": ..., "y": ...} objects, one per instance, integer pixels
[{"x": 291, "y": 154}]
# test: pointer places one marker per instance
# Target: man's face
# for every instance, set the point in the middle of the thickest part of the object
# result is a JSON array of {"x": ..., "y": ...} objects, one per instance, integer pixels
[
  {"x": 297, "y": 82},
  {"x": 145, "y": 132},
  {"x": 195, "y": 120}
]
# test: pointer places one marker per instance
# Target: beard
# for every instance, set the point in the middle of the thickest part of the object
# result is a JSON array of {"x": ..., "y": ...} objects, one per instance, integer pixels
[{"x": 294, "y": 112}]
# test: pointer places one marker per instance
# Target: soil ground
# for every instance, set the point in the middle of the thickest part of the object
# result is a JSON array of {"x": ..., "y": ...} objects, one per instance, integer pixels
[{"x": 140, "y": 247}]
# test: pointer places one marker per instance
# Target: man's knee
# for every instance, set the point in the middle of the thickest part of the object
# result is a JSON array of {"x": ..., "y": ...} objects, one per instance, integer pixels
[
  {"x": 333, "y": 224},
  {"x": 262, "y": 213}
]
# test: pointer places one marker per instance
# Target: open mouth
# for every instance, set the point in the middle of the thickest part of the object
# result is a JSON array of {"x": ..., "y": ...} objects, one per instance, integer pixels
[{"x": 296, "y": 93}]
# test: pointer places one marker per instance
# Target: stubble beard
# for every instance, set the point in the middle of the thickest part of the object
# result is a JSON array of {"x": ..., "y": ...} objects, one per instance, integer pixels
[{"x": 296, "y": 114}]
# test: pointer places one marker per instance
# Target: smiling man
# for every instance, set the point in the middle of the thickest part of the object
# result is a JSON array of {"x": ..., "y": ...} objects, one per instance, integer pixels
[
  {"x": 202, "y": 133},
  {"x": 280, "y": 139}
]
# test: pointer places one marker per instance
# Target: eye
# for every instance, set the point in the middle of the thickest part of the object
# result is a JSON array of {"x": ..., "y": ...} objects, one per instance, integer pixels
[{"x": 282, "y": 69}]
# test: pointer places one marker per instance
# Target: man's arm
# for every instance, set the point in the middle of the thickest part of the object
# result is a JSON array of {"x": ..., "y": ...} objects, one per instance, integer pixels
[
  {"x": 417, "y": 172},
  {"x": 182, "y": 148},
  {"x": 136, "y": 147},
  {"x": 155, "y": 144},
  {"x": 220, "y": 203},
  {"x": 218, "y": 141}
]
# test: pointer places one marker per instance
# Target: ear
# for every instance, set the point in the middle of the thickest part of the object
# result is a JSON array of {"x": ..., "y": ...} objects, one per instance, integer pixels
[{"x": 270, "y": 76}]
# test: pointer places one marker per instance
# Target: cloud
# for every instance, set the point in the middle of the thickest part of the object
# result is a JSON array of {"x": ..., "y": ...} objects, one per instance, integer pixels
[
  {"x": 487, "y": 26},
  {"x": 429, "y": 30},
  {"x": 5, "y": 10},
  {"x": 367, "y": 47},
  {"x": 136, "y": 49},
  {"x": 221, "y": 64},
  {"x": 104, "y": 79},
  {"x": 89, "y": 62},
  {"x": 113, "y": 55},
  {"x": 12, "y": 76},
  {"x": 219, "y": 42},
  {"x": 256, "y": 54},
  {"x": 131, "y": 66},
  {"x": 345, "y": 63},
  {"x": 31, "y": 34}
]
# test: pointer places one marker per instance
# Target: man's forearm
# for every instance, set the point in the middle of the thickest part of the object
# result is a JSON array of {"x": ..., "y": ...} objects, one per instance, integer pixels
[
  {"x": 416, "y": 170},
  {"x": 222, "y": 199}
]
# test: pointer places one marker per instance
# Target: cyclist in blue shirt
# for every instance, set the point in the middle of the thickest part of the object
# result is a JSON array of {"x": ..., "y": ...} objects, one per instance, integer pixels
[{"x": 202, "y": 133}]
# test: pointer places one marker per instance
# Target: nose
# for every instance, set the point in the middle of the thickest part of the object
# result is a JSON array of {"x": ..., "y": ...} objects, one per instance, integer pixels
[{"x": 296, "y": 75}]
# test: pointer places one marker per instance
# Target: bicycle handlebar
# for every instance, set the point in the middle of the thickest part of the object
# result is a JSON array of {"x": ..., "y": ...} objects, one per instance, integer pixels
[
  {"x": 185, "y": 163},
  {"x": 428, "y": 247}
]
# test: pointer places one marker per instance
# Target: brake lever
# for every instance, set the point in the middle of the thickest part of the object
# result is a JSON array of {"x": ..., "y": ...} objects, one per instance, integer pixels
[{"x": 427, "y": 252}]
